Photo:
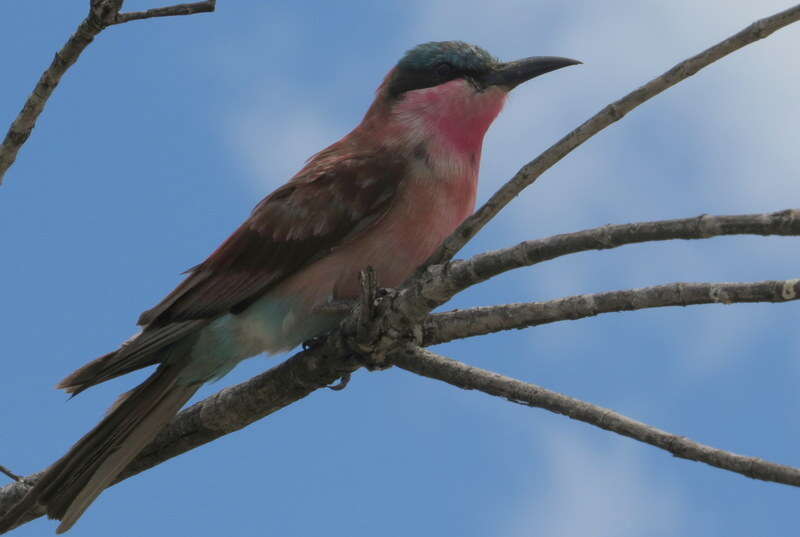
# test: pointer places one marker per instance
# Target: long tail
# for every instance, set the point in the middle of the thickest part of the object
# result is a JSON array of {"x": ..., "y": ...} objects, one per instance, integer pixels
[{"x": 72, "y": 483}]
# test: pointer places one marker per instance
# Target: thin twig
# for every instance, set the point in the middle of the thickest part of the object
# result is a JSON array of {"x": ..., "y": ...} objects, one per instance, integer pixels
[
  {"x": 235, "y": 407},
  {"x": 227, "y": 411},
  {"x": 442, "y": 282},
  {"x": 459, "y": 324},
  {"x": 9, "y": 473},
  {"x": 605, "y": 117},
  {"x": 240, "y": 405},
  {"x": 23, "y": 125},
  {"x": 169, "y": 11},
  {"x": 102, "y": 14},
  {"x": 425, "y": 363}
]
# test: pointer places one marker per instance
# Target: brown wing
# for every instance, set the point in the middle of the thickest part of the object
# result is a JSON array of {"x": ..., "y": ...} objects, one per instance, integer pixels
[{"x": 327, "y": 203}]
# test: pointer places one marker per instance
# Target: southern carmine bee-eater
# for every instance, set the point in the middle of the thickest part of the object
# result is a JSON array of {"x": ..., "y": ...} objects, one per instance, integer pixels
[{"x": 386, "y": 195}]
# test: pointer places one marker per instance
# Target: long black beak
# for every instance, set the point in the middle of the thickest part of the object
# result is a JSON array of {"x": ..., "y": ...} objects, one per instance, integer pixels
[{"x": 511, "y": 74}]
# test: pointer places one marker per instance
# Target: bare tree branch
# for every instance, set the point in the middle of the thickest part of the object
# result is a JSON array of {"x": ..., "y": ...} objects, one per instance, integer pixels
[
  {"x": 397, "y": 315},
  {"x": 9, "y": 473},
  {"x": 442, "y": 282},
  {"x": 240, "y": 405},
  {"x": 236, "y": 407},
  {"x": 605, "y": 117},
  {"x": 459, "y": 324},
  {"x": 102, "y": 13},
  {"x": 227, "y": 411},
  {"x": 22, "y": 126},
  {"x": 425, "y": 363},
  {"x": 169, "y": 11}
]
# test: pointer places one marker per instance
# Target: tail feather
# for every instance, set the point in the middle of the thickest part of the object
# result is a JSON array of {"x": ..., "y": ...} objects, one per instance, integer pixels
[
  {"x": 70, "y": 485},
  {"x": 143, "y": 350}
]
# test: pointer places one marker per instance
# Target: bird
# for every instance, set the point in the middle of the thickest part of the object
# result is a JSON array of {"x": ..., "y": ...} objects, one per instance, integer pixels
[{"x": 385, "y": 196}]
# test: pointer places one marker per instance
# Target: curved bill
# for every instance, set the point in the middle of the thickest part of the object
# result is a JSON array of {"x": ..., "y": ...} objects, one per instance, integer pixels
[{"x": 509, "y": 75}]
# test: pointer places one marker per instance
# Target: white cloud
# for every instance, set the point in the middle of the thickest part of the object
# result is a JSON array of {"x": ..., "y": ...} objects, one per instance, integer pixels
[
  {"x": 720, "y": 142},
  {"x": 697, "y": 148},
  {"x": 724, "y": 113},
  {"x": 597, "y": 488},
  {"x": 274, "y": 135}
]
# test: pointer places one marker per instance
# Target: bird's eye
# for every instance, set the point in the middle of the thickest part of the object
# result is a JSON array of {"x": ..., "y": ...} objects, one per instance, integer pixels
[{"x": 444, "y": 69}]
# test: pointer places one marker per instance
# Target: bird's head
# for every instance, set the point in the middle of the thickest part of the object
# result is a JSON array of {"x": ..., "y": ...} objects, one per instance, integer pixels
[
  {"x": 441, "y": 62},
  {"x": 454, "y": 89}
]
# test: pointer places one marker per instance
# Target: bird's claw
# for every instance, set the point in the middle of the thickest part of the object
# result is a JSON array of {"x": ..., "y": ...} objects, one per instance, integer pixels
[
  {"x": 314, "y": 342},
  {"x": 342, "y": 384}
]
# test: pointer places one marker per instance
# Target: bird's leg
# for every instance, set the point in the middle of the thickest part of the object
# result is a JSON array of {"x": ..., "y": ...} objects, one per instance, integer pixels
[
  {"x": 333, "y": 307},
  {"x": 342, "y": 384},
  {"x": 314, "y": 342},
  {"x": 365, "y": 343}
]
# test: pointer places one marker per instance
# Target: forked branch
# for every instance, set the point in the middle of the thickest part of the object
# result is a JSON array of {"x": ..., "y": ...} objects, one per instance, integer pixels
[
  {"x": 424, "y": 362},
  {"x": 459, "y": 324},
  {"x": 605, "y": 117},
  {"x": 102, "y": 14},
  {"x": 236, "y": 407},
  {"x": 169, "y": 11},
  {"x": 441, "y": 282}
]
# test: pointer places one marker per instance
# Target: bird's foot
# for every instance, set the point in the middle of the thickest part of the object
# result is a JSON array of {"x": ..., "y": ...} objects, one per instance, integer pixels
[
  {"x": 342, "y": 384},
  {"x": 314, "y": 342}
]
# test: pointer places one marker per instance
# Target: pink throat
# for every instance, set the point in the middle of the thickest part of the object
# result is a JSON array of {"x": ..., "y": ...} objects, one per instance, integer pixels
[{"x": 454, "y": 113}]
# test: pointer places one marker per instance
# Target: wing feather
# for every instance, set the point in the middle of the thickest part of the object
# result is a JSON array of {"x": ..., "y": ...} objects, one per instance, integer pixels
[{"x": 329, "y": 202}]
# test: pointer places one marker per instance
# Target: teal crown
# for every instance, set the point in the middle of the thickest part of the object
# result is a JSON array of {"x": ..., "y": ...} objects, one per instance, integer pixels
[{"x": 462, "y": 56}]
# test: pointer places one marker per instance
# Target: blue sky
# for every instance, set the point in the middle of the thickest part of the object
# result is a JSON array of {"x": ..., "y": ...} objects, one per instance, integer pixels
[{"x": 167, "y": 132}]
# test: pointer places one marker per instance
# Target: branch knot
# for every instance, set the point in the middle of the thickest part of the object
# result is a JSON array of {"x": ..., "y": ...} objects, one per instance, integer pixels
[
  {"x": 379, "y": 327},
  {"x": 104, "y": 13}
]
